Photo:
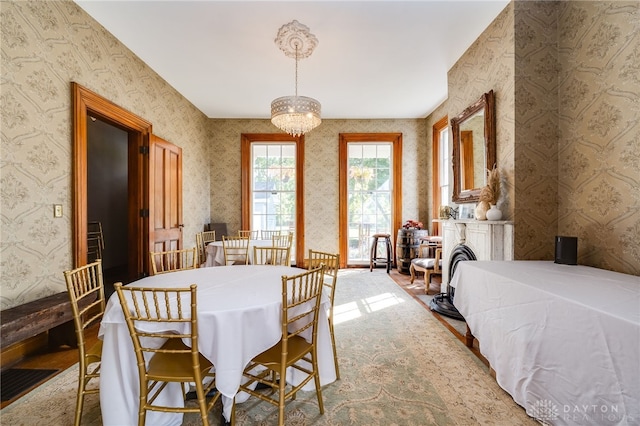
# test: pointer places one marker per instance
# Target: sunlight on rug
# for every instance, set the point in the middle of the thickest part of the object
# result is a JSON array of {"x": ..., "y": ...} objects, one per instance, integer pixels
[{"x": 398, "y": 364}]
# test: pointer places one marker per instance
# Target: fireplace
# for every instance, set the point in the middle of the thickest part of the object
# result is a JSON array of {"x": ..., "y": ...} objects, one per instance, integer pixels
[
  {"x": 465, "y": 240},
  {"x": 443, "y": 303}
]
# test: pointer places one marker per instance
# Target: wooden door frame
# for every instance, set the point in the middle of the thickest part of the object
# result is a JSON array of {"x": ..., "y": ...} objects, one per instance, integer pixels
[
  {"x": 245, "y": 154},
  {"x": 435, "y": 177},
  {"x": 396, "y": 200},
  {"x": 85, "y": 103}
]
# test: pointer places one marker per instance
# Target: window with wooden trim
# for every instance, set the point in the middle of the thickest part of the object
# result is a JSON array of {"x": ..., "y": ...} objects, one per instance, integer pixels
[
  {"x": 441, "y": 170},
  {"x": 272, "y": 182}
]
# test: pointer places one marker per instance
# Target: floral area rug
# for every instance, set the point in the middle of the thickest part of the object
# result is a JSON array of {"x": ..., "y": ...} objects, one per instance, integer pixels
[{"x": 398, "y": 366}]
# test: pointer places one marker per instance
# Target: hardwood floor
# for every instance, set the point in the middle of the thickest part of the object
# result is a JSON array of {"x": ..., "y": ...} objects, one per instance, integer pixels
[{"x": 64, "y": 357}]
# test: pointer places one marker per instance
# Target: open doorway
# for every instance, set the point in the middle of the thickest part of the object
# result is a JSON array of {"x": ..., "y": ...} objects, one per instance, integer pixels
[
  {"x": 135, "y": 167},
  {"x": 107, "y": 198}
]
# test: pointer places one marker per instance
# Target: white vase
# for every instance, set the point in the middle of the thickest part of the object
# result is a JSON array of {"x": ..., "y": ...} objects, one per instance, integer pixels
[{"x": 494, "y": 213}]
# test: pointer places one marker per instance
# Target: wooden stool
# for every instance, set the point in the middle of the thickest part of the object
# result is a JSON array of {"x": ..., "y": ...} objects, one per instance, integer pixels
[{"x": 374, "y": 259}]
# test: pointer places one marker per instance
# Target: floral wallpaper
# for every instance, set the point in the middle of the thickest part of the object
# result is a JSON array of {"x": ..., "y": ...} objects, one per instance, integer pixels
[
  {"x": 565, "y": 75},
  {"x": 46, "y": 46},
  {"x": 321, "y": 172}
]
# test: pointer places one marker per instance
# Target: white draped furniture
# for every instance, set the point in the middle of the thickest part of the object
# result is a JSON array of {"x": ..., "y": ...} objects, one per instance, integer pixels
[
  {"x": 563, "y": 340},
  {"x": 239, "y": 310},
  {"x": 215, "y": 253}
]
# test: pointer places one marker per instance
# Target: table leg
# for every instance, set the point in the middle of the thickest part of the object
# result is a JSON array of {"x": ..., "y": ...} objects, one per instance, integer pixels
[{"x": 469, "y": 338}]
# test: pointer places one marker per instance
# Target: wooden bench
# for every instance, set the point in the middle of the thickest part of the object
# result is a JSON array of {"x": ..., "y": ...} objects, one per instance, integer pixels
[{"x": 52, "y": 313}]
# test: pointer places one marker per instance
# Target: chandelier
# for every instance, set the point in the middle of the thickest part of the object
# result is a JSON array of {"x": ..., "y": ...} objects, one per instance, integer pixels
[{"x": 295, "y": 115}]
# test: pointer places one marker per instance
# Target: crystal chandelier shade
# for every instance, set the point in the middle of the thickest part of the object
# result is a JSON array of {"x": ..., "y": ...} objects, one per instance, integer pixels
[{"x": 296, "y": 115}]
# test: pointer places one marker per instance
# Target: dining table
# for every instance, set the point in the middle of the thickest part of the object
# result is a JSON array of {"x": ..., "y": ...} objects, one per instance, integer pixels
[
  {"x": 239, "y": 311},
  {"x": 215, "y": 251}
]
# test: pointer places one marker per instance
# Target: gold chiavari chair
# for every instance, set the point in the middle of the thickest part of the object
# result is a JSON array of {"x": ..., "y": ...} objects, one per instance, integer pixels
[
  {"x": 202, "y": 239},
  {"x": 236, "y": 250},
  {"x": 173, "y": 260},
  {"x": 268, "y": 234},
  {"x": 86, "y": 294},
  {"x": 95, "y": 241},
  {"x": 252, "y": 235},
  {"x": 331, "y": 263},
  {"x": 170, "y": 359},
  {"x": 279, "y": 256},
  {"x": 282, "y": 240},
  {"x": 301, "y": 297}
]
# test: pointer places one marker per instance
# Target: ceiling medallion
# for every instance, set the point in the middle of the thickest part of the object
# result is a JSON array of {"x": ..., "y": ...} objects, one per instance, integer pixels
[{"x": 296, "y": 115}]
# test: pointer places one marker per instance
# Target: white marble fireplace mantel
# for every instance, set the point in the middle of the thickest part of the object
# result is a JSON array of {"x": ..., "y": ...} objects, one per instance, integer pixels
[{"x": 488, "y": 239}]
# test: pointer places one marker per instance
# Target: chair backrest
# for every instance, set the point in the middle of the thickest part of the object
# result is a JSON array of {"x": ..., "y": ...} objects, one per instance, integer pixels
[
  {"x": 278, "y": 256},
  {"x": 158, "y": 319},
  {"x": 266, "y": 234},
  {"x": 282, "y": 240},
  {"x": 95, "y": 241},
  {"x": 437, "y": 265},
  {"x": 331, "y": 263},
  {"x": 202, "y": 239},
  {"x": 252, "y": 235},
  {"x": 236, "y": 250},
  {"x": 86, "y": 294},
  {"x": 173, "y": 260},
  {"x": 301, "y": 299}
]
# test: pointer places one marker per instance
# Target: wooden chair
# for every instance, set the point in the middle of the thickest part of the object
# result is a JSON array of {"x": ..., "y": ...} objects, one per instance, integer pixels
[
  {"x": 86, "y": 294},
  {"x": 331, "y": 265},
  {"x": 202, "y": 239},
  {"x": 268, "y": 234},
  {"x": 301, "y": 296},
  {"x": 252, "y": 235},
  {"x": 173, "y": 260},
  {"x": 161, "y": 355},
  {"x": 236, "y": 250},
  {"x": 430, "y": 266},
  {"x": 278, "y": 256}
]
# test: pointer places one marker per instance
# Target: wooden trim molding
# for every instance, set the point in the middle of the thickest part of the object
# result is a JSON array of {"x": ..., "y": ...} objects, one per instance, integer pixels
[
  {"x": 343, "y": 172},
  {"x": 435, "y": 178},
  {"x": 84, "y": 103},
  {"x": 246, "y": 140}
]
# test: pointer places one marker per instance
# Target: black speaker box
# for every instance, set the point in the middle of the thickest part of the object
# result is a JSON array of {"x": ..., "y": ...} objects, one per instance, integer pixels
[{"x": 567, "y": 250}]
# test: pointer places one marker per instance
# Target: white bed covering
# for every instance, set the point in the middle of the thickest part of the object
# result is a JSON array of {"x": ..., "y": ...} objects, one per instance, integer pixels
[{"x": 564, "y": 340}]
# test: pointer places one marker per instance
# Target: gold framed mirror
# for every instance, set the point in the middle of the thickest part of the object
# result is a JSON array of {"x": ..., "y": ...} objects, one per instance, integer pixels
[{"x": 474, "y": 148}]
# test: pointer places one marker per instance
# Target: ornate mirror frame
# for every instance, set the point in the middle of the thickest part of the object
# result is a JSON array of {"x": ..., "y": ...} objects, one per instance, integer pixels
[{"x": 486, "y": 103}]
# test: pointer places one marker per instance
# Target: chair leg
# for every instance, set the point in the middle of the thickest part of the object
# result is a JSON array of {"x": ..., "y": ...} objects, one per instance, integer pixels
[
  {"x": 412, "y": 271},
  {"x": 427, "y": 281},
  {"x": 80, "y": 398},
  {"x": 335, "y": 352}
]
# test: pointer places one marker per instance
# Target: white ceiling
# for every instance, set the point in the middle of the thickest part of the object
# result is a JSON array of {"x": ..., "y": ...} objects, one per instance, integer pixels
[{"x": 375, "y": 59}]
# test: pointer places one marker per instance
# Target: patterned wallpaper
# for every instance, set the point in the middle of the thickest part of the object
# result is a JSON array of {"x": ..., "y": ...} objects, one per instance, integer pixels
[
  {"x": 599, "y": 130},
  {"x": 577, "y": 106},
  {"x": 321, "y": 172},
  {"x": 45, "y": 46},
  {"x": 565, "y": 75}
]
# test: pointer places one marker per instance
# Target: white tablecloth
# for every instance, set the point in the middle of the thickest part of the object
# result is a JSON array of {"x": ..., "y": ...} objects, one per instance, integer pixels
[
  {"x": 239, "y": 311},
  {"x": 215, "y": 253},
  {"x": 563, "y": 340}
]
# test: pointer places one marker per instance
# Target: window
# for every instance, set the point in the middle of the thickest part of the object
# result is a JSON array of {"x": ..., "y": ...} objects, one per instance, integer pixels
[
  {"x": 271, "y": 186},
  {"x": 370, "y": 190},
  {"x": 441, "y": 169}
]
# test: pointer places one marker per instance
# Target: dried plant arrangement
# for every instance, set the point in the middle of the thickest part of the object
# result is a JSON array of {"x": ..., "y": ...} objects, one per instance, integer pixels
[{"x": 491, "y": 192}]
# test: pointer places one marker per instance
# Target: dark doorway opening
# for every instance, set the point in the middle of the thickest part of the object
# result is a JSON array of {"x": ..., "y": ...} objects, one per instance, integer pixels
[{"x": 107, "y": 196}]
